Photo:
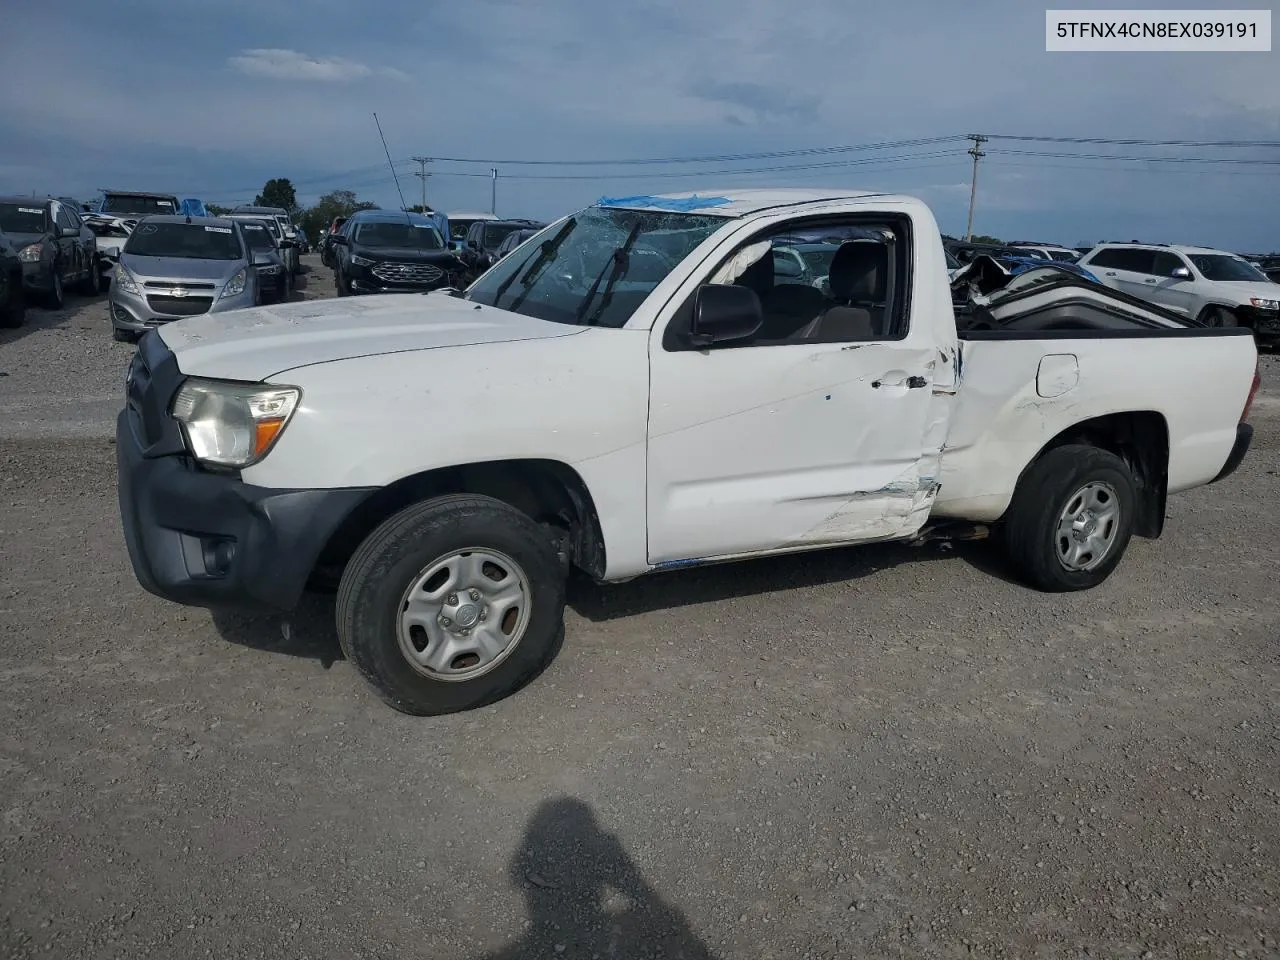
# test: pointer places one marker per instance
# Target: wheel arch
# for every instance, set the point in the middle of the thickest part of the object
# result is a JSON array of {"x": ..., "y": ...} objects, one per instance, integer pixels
[
  {"x": 1141, "y": 439},
  {"x": 549, "y": 491}
]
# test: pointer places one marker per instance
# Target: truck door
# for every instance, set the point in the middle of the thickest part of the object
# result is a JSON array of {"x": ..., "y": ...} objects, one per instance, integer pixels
[{"x": 821, "y": 429}]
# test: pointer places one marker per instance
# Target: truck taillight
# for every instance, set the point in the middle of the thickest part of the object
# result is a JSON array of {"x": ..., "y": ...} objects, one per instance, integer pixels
[{"x": 1253, "y": 392}]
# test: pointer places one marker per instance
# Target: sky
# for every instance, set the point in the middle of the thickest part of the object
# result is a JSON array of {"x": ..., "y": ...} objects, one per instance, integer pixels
[{"x": 211, "y": 99}]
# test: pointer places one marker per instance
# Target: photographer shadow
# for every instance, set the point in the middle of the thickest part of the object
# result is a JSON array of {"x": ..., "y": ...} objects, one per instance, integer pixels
[{"x": 586, "y": 897}]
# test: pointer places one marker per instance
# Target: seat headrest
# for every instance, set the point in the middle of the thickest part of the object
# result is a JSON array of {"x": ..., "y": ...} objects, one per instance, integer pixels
[
  {"x": 859, "y": 272},
  {"x": 758, "y": 276}
]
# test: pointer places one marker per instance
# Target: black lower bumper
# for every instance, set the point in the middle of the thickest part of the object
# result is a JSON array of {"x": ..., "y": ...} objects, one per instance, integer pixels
[
  {"x": 210, "y": 540},
  {"x": 1244, "y": 436},
  {"x": 1265, "y": 324}
]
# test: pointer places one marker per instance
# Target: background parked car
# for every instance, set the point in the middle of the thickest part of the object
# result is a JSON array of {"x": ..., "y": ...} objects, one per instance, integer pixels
[
  {"x": 290, "y": 253},
  {"x": 1047, "y": 251},
  {"x": 274, "y": 279},
  {"x": 13, "y": 301},
  {"x": 460, "y": 223},
  {"x": 288, "y": 235},
  {"x": 325, "y": 246},
  {"x": 1217, "y": 288},
  {"x": 174, "y": 267},
  {"x": 513, "y": 240},
  {"x": 385, "y": 251},
  {"x": 56, "y": 248},
  {"x": 485, "y": 236}
]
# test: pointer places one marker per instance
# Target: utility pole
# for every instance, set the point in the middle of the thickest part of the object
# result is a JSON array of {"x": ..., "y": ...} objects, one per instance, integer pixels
[
  {"x": 493, "y": 191},
  {"x": 422, "y": 175},
  {"x": 975, "y": 151}
]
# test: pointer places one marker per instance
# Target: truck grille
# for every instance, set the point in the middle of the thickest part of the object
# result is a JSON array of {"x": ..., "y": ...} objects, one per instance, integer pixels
[
  {"x": 407, "y": 272},
  {"x": 179, "y": 306}
]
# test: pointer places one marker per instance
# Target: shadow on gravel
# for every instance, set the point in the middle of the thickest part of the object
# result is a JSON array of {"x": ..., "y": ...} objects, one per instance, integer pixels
[
  {"x": 308, "y": 631},
  {"x": 729, "y": 581},
  {"x": 586, "y": 897},
  {"x": 39, "y": 318}
]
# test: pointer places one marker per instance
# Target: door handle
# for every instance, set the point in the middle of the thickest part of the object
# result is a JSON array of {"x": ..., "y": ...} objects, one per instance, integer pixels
[
  {"x": 1109, "y": 273},
  {"x": 1152, "y": 280},
  {"x": 911, "y": 383}
]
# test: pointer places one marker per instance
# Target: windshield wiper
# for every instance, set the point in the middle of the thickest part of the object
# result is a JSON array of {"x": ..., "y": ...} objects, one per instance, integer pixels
[
  {"x": 545, "y": 253},
  {"x": 617, "y": 266}
]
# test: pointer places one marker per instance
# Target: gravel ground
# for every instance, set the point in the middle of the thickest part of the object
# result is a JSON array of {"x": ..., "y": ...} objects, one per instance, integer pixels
[{"x": 868, "y": 753}]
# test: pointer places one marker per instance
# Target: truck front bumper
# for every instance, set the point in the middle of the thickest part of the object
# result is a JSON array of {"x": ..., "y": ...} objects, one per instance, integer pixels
[{"x": 208, "y": 539}]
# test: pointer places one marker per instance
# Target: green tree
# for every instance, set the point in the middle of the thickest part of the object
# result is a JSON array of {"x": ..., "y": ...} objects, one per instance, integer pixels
[
  {"x": 278, "y": 192},
  {"x": 337, "y": 203},
  {"x": 983, "y": 238},
  {"x": 217, "y": 209}
]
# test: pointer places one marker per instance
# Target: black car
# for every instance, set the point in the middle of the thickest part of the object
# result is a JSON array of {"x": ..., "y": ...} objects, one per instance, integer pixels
[
  {"x": 13, "y": 301},
  {"x": 484, "y": 237},
  {"x": 382, "y": 251},
  {"x": 513, "y": 240},
  {"x": 325, "y": 246},
  {"x": 56, "y": 248},
  {"x": 274, "y": 279}
]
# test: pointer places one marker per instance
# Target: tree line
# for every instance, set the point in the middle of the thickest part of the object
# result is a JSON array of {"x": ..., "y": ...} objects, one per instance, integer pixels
[{"x": 314, "y": 220}]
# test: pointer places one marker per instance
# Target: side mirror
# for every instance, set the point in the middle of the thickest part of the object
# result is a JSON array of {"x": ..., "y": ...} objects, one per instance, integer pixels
[
  {"x": 1181, "y": 273},
  {"x": 338, "y": 238},
  {"x": 723, "y": 313}
]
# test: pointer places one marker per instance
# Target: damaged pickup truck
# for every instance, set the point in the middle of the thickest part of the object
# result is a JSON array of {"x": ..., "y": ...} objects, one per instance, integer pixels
[{"x": 634, "y": 390}]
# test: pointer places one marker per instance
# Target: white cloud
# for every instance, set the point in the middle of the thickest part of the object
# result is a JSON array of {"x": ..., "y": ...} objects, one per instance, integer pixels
[{"x": 292, "y": 65}]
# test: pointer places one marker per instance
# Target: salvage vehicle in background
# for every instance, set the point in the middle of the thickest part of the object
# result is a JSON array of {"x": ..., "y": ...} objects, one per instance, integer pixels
[
  {"x": 325, "y": 245},
  {"x": 1046, "y": 251},
  {"x": 390, "y": 251},
  {"x": 485, "y": 237},
  {"x": 1213, "y": 287},
  {"x": 56, "y": 248},
  {"x": 13, "y": 299},
  {"x": 117, "y": 212},
  {"x": 460, "y": 223},
  {"x": 173, "y": 267},
  {"x": 274, "y": 279},
  {"x": 290, "y": 253},
  {"x": 513, "y": 240},
  {"x": 575, "y": 415},
  {"x": 287, "y": 235}
]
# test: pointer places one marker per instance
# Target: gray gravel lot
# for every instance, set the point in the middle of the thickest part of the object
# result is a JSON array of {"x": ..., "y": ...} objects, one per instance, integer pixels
[{"x": 867, "y": 753}]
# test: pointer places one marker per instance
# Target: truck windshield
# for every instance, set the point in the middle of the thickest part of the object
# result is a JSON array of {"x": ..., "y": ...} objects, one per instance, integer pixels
[
  {"x": 1220, "y": 267},
  {"x": 604, "y": 258},
  {"x": 141, "y": 206},
  {"x": 186, "y": 241}
]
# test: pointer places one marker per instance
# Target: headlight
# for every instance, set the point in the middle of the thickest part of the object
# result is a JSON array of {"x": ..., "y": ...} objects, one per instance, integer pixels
[
  {"x": 362, "y": 261},
  {"x": 31, "y": 253},
  {"x": 124, "y": 279},
  {"x": 235, "y": 286},
  {"x": 232, "y": 424},
  {"x": 1262, "y": 304}
]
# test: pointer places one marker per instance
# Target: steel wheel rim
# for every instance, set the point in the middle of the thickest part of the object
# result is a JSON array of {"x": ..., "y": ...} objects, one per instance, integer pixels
[
  {"x": 1087, "y": 527},
  {"x": 463, "y": 614}
]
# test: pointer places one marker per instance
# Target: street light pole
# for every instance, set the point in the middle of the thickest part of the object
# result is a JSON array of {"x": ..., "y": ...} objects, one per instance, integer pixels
[{"x": 976, "y": 152}]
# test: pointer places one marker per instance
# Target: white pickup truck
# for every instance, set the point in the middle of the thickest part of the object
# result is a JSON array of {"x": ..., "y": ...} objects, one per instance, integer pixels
[{"x": 633, "y": 389}]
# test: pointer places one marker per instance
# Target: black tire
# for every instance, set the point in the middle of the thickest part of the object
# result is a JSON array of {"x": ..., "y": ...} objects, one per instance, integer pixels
[
  {"x": 339, "y": 281},
  {"x": 403, "y": 548},
  {"x": 1218, "y": 317},
  {"x": 14, "y": 312},
  {"x": 56, "y": 298},
  {"x": 1030, "y": 529},
  {"x": 91, "y": 285},
  {"x": 123, "y": 336}
]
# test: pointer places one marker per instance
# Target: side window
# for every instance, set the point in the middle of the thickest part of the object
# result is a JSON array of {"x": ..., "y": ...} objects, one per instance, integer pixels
[
  {"x": 60, "y": 218},
  {"x": 854, "y": 288},
  {"x": 1137, "y": 260},
  {"x": 1164, "y": 263}
]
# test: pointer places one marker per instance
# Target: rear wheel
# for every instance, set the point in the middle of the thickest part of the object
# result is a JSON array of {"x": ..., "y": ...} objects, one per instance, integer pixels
[
  {"x": 1071, "y": 518},
  {"x": 91, "y": 285},
  {"x": 451, "y": 604},
  {"x": 56, "y": 298}
]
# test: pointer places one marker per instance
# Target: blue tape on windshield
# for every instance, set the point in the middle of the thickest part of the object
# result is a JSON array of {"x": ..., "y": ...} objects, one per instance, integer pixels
[{"x": 682, "y": 204}]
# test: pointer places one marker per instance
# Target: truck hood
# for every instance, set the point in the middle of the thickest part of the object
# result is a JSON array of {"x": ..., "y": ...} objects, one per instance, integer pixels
[{"x": 260, "y": 342}]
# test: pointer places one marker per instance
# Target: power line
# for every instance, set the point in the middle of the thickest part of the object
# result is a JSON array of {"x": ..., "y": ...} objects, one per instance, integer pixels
[
  {"x": 710, "y": 158},
  {"x": 1139, "y": 142},
  {"x": 1113, "y": 156}
]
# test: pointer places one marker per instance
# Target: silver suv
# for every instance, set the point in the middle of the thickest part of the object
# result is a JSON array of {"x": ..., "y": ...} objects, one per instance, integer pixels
[
  {"x": 1218, "y": 289},
  {"x": 175, "y": 267}
]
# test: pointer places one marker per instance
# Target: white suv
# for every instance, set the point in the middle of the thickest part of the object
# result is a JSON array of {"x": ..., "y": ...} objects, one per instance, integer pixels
[{"x": 1217, "y": 288}]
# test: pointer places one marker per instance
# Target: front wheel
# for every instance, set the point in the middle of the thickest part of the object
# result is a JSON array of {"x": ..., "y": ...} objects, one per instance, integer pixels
[
  {"x": 56, "y": 298},
  {"x": 1218, "y": 317},
  {"x": 1071, "y": 518},
  {"x": 452, "y": 604}
]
